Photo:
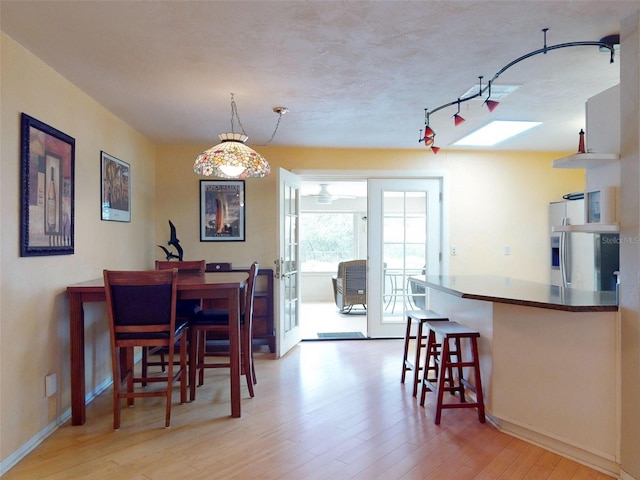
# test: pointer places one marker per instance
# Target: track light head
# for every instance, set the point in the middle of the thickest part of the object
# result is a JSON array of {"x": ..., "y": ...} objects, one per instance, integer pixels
[
  {"x": 428, "y": 132},
  {"x": 491, "y": 104}
]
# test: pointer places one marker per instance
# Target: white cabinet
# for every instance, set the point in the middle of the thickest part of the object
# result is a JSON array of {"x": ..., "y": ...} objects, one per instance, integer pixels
[
  {"x": 603, "y": 122},
  {"x": 602, "y": 140}
]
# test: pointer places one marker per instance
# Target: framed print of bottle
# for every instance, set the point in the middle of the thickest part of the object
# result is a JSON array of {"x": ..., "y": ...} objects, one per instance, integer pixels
[{"x": 47, "y": 196}]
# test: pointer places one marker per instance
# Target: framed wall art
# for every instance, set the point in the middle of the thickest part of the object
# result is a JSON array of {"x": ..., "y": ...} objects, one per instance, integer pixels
[
  {"x": 222, "y": 211},
  {"x": 47, "y": 194},
  {"x": 115, "y": 189}
]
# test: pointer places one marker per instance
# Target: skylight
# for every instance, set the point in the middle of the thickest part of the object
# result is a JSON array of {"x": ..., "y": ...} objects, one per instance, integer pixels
[{"x": 495, "y": 132}]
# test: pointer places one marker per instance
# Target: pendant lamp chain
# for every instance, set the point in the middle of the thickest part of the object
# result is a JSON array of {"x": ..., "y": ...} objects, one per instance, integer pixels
[{"x": 234, "y": 115}]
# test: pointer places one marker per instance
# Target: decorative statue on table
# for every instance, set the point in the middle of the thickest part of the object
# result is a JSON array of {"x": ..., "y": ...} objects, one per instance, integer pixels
[{"x": 173, "y": 241}]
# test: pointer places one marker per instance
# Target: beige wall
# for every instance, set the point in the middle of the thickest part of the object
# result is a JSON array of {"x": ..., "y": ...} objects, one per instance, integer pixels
[
  {"x": 34, "y": 326},
  {"x": 630, "y": 247},
  {"x": 492, "y": 200}
]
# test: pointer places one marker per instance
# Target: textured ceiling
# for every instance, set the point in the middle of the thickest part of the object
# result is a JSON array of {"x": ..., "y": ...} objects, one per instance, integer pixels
[{"x": 352, "y": 73}]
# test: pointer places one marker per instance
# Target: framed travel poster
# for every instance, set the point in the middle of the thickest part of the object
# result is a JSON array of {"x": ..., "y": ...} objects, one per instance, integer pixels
[{"x": 222, "y": 211}]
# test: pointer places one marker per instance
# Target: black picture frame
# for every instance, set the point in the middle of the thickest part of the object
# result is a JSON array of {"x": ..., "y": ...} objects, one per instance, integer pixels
[
  {"x": 48, "y": 189},
  {"x": 222, "y": 211},
  {"x": 115, "y": 189}
]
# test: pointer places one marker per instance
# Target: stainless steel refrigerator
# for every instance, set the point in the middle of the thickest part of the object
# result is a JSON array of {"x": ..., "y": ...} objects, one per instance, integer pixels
[{"x": 586, "y": 261}]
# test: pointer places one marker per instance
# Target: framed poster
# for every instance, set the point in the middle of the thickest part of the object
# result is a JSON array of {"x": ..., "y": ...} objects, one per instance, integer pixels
[
  {"x": 222, "y": 211},
  {"x": 47, "y": 194},
  {"x": 600, "y": 206},
  {"x": 115, "y": 188},
  {"x": 593, "y": 206}
]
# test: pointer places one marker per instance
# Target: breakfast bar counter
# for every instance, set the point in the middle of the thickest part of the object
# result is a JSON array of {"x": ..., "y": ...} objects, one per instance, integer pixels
[
  {"x": 549, "y": 360},
  {"x": 522, "y": 292}
]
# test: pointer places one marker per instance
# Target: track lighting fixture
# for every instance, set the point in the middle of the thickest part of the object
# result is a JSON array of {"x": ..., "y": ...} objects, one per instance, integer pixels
[{"x": 609, "y": 44}]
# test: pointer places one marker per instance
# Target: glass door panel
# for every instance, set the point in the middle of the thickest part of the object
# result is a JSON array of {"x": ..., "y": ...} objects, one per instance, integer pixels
[
  {"x": 405, "y": 232},
  {"x": 288, "y": 261}
]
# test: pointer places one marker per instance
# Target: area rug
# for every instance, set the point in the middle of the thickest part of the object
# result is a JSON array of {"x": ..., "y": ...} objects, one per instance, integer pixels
[{"x": 341, "y": 335}]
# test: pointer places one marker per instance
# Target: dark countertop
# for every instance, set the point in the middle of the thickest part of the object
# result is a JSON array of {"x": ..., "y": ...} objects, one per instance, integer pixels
[{"x": 521, "y": 292}]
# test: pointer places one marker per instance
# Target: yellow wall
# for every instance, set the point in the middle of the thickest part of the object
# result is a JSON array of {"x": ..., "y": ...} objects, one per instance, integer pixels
[
  {"x": 34, "y": 312},
  {"x": 492, "y": 200}
]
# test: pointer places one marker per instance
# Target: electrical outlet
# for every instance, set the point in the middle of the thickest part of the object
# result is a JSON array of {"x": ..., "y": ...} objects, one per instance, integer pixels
[
  {"x": 50, "y": 384},
  {"x": 454, "y": 250}
]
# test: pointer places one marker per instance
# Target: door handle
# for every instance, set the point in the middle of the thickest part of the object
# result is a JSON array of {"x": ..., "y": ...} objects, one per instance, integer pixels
[
  {"x": 564, "y": 256},
  {"x": 278, "y": 263}
]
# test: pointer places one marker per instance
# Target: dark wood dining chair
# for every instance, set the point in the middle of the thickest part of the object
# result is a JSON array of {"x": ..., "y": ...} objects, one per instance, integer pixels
[
  {"x": 185, "y": 310},
  {"x": 141, "y": 306},
  {"x": 214, "y": 323}
]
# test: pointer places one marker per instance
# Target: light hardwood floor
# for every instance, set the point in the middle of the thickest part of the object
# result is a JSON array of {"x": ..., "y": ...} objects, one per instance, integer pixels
[{"x": 327, "y": 410}]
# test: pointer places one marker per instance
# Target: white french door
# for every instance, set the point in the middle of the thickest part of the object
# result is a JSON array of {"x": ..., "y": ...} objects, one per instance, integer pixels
[
  {"x": 404, "y": 239},
  {"x": 287, "y": 282}
]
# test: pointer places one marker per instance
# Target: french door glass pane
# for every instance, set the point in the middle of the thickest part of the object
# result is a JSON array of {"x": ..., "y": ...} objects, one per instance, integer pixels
[
  {"x": 289, "y": 267},
  {"x": 404, "y": 248}
]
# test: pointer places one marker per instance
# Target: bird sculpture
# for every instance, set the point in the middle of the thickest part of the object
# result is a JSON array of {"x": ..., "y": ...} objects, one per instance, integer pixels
[{"x": 174, "y": 242}]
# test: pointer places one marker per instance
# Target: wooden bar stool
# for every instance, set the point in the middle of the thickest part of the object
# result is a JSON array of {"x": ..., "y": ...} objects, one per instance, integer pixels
[
  {"x": 453, "y": 332},
  {"x": 418, "y": 317}
]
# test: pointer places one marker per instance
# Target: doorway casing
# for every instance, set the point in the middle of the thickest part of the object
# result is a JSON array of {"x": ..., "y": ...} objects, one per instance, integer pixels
[{"x": 327, "y": 176}]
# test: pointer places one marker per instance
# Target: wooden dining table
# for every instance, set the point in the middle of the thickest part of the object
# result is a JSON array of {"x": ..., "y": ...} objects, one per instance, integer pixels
[{"x": 218, "y": 285}]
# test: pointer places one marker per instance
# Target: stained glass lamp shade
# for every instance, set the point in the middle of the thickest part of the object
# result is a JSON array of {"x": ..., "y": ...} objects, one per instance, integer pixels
[{"x": 231, "y": 158}]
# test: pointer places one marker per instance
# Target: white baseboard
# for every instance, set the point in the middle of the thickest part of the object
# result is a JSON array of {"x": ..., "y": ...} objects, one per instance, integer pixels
[
  {"x": 625, "y": 476},
  {"x": 599, "y": 462},
  {"x": 9, "y": 462}
]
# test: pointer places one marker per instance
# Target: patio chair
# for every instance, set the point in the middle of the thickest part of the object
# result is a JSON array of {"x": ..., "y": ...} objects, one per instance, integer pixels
[{"x": 350, "y": 285}]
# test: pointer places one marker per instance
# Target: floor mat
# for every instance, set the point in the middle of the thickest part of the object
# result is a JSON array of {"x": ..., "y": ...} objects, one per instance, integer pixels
[{"x": 340, "y": 335}]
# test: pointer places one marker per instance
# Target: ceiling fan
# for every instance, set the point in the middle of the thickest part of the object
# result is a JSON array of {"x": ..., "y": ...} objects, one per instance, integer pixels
[{"x": 324, "y": 197}]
